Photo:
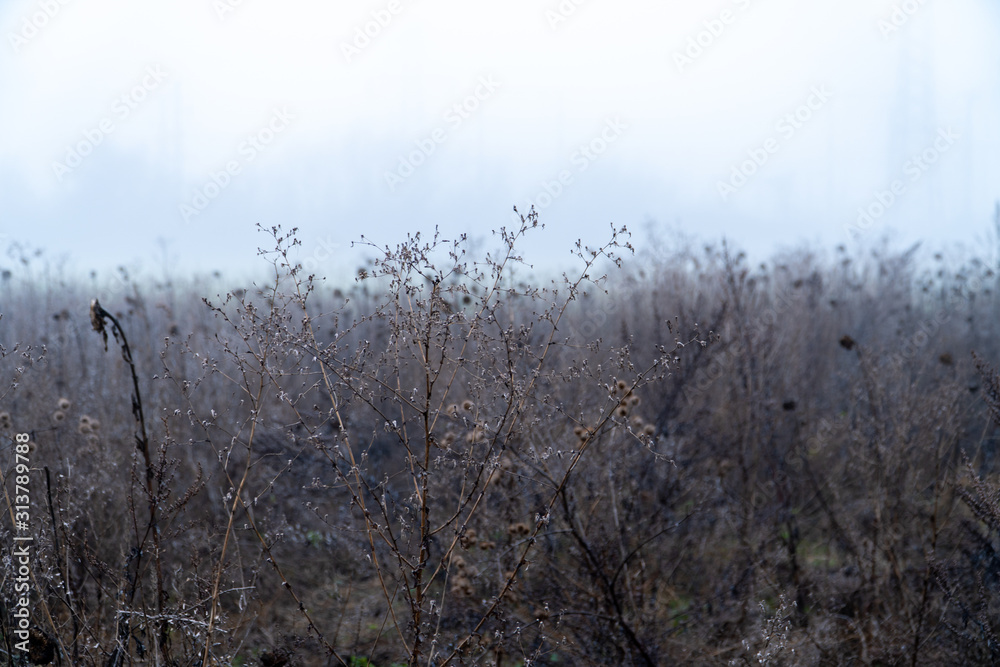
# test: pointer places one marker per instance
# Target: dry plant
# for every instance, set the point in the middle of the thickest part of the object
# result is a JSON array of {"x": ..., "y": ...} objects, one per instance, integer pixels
[
  {"x": 433, "y": 422},
  {"x": 680, "y": 459}
]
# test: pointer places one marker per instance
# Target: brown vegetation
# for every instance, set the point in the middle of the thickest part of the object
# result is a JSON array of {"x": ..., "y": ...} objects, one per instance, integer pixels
[{"x": 685, "y": 461}]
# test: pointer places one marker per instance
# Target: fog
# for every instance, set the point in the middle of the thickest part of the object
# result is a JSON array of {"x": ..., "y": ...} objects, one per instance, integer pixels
[{"x": 158, "y": 137}]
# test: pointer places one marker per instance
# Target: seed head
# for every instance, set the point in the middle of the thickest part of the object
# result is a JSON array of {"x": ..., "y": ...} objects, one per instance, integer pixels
[
  {"x": 518, "y": 530},
  {"x": 462, "y": 586},
  {"x": 97, "y": 315},
  {"x": 468, "y": 539}
]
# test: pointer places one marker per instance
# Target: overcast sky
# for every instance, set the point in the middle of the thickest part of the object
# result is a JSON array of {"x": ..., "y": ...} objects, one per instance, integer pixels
[{"x": 131, "y": 129}]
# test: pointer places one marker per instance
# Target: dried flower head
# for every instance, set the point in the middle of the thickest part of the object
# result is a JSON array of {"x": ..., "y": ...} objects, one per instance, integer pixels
[
  {"x": 58, "y": 416},
  {"x": 97, "y": 316},
  {"x": 475, "y": 435},
  {"x": 467, "y": 405},
  {"x": 468, "y": 539},
  {"x": 64, "y": 403},
  {"x": 84, "y": 426},
  {"x": 41, "y": 647},
  {"x": 501, "y": 473},
  {"x": 518, "y": 530},
  {"x": 462, "y": 586}
]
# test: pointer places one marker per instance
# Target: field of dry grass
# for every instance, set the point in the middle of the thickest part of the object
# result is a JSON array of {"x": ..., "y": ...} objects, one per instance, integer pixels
[{"x": 666, "y": 457}]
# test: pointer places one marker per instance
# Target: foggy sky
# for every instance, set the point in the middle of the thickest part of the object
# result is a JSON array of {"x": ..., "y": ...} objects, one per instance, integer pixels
[{"x": 138, "y": 131}]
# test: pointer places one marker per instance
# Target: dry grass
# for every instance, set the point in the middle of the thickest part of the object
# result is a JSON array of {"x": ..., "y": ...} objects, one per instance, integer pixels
[{"x": 685, "y": 461}]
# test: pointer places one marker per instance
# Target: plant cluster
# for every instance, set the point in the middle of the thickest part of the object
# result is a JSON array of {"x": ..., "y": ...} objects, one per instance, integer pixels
[{"x": 669, "y": 459}]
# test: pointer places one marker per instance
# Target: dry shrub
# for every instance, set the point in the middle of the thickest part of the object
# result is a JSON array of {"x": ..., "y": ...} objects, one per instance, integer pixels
[{"x": 687, "y": 460}]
